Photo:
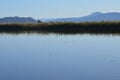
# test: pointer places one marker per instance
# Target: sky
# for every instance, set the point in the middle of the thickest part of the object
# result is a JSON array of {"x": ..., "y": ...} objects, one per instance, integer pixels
[{"x": 56, "y": 8}]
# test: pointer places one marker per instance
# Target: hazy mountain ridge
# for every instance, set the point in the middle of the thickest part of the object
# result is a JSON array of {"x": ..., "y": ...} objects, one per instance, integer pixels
[
  {"x": 17, "y": 20},
  {"x": 94, "y": 17}
]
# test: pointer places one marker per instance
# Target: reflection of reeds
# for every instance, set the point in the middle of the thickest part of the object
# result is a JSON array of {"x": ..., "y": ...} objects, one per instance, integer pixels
[{"x": 85, "y": 27}]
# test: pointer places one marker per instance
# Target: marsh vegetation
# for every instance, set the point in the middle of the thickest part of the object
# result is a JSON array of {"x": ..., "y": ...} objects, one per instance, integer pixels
[{"x": 66, "y": 27}]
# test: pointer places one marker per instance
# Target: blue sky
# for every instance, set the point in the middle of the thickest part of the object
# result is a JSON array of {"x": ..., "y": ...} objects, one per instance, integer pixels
[{"x": 56, "y": 8}]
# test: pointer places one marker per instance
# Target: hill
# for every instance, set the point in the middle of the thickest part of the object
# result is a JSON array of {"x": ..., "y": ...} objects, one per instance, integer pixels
[
  {"x": 94, "y": 17},
  {"x": 17, "y": 20}
]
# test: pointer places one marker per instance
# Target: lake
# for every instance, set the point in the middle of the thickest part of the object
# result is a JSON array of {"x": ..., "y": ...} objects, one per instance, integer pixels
[{"x": 37, "y": 56}]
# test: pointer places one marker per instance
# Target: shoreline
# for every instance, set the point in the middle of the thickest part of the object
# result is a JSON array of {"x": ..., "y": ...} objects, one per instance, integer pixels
[{"x": 65, "y": 28}]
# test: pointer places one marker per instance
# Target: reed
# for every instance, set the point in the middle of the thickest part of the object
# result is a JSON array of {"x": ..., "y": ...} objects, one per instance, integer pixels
[{"x": 66, "y": 27}]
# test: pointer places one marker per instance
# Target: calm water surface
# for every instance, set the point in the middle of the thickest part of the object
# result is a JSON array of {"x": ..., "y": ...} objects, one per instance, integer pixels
[{"x": 59, "y": 57}]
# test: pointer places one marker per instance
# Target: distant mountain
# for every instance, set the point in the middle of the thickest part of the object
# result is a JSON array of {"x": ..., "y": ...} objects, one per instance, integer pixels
[
  {"x": 94, "y": 17},
  {"x": 17, "y": 20}
]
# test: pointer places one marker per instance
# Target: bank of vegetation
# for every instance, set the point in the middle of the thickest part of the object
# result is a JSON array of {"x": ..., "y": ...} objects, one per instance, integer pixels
[{"x": 66, "y": 27}]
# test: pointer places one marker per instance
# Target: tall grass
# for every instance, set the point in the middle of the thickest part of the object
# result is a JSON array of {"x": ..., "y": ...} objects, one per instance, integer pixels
[{"x": 84, "y": 27}]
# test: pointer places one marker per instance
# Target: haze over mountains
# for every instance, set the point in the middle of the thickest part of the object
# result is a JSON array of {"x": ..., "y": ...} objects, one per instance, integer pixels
[
  {"x": 94, "y": 17},
  {"x": 17, "y": 20}
]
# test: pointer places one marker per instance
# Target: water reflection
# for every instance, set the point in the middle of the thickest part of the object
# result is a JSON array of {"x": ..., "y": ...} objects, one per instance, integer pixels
[
  {"x": 31, "y": 56},
  {"x": 43, "y": 32},
  {"x": 109, "y": 34}
]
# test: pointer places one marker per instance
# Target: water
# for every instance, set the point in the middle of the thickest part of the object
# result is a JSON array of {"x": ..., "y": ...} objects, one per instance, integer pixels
[{"x": 59, "y": 57}]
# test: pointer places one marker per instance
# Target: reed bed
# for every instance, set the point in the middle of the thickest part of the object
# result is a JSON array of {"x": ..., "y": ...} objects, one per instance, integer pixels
[{"x": 66, "y": 27}]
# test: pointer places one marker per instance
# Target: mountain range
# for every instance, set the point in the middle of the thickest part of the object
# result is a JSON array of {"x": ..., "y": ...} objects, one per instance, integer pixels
[
  {"x": 17, "y": 20},
  {"x": 94, "y": 17}
]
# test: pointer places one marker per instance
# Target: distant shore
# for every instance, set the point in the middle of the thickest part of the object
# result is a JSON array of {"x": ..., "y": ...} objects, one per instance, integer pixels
[{"x": 75, "y": 28}]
